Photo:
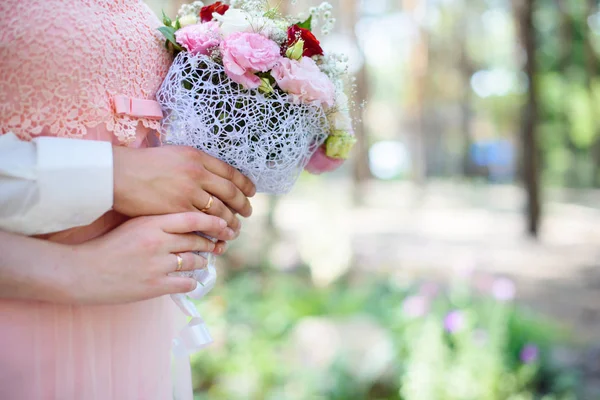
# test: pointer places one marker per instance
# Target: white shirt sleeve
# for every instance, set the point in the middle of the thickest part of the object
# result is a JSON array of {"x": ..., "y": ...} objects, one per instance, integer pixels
[{"x": 51, "y": 184}]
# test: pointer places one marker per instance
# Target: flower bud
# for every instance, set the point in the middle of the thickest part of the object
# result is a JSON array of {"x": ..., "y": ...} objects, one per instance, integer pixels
[
  {"x": 265, "y": 86},
  {"x": 339, "y": 145},
  {"x": 295, "y": 52},
  {"x": 188, "y": 19}
]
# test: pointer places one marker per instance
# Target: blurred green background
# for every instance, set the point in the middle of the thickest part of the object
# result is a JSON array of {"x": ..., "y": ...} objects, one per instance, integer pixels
[{"x": 456, "y": 255}]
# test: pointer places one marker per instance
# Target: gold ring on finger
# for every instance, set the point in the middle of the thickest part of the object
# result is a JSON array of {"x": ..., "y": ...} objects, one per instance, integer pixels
[
  {"x": 179, "y": 263},
  {"x": 209, "y": 204}
]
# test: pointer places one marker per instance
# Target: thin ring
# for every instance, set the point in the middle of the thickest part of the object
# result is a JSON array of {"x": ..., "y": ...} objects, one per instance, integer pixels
[
  {"x": 209, "y": 204},
  {"x": 179, "y": 263}
]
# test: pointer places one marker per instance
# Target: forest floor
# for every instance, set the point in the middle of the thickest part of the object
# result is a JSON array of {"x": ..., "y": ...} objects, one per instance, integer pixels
[
  {"x": 444, "y": 229},
  {"x": 440, "y": 232}
]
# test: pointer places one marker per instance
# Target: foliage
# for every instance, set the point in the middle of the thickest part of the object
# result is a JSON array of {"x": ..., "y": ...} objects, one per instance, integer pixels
[{"x": 279, "y": 337}]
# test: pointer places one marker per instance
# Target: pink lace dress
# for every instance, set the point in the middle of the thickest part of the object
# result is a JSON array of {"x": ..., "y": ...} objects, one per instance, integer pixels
[{"x": 83, "y": 69}]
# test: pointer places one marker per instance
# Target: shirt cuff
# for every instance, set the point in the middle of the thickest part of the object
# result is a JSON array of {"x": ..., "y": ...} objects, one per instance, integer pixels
[{"x": 75, "y": 182}]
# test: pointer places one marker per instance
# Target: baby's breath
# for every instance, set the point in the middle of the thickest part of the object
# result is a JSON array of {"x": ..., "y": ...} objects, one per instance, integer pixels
[
  {"x": 253, "y": 6},
  {"x": 192, "y": 8},
  {"x": 334, "y": 65},
  {"x": 323, "y": 16}
]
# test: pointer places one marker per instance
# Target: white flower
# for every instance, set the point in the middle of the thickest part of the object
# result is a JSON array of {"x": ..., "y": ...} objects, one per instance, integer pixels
[
  {"x": 341, "y": 121},
  {"x": 189, "y": 19},
  {"x": 234, "y": 20},
  {"x": 341, "y": 100}
]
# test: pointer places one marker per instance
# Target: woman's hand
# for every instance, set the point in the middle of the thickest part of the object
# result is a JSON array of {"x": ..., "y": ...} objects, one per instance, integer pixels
[
  {"x": 174, "y": 179},
  {"x": 131, "y": 263},
  {"x": 134, "y": 261}
]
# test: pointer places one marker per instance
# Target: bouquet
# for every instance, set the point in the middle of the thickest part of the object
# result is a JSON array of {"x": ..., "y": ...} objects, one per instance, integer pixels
[{"x": 255, "y": 89}]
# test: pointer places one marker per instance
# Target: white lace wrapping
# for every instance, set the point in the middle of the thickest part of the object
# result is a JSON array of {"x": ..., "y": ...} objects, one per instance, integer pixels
[{"x": 266, "y": 137}]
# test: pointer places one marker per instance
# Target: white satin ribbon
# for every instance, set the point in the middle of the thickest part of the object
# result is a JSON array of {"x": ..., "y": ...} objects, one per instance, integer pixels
[{"x": 195, "y": 335}]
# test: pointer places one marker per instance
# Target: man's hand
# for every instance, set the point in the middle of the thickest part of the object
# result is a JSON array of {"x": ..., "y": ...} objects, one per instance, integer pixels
[{"x": 174, "y": 179}]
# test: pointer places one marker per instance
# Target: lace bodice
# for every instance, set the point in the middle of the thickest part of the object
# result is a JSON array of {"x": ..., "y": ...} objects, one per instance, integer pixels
[{"x": 63, "y": 62}]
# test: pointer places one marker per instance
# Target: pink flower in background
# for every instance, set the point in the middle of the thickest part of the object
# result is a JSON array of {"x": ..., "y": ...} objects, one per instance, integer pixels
[
  {"x": 429, "y": 289},
  {"x": 529, "y": 353},
  {"x": 465, "y": 267},
  {"x": 415, "y": 306},
  {"x": 454, "y": 321},
  {"x": 245, "y": 54},
  {"x": 483, "y": 283},
  {"x": 320, "y": 163},
  {"x": 304, "y": 81},
  {"x": 199, "y": 38},
  {"x": 503, "y": 289}
]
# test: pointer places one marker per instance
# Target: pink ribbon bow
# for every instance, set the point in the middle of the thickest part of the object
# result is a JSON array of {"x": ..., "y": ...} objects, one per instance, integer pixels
[{"x": 139, "y": 108}]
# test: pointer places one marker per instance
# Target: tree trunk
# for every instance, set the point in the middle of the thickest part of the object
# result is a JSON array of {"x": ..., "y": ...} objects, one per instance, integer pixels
[
  {"x": 361, "y": 171},
  {"x": 467, "y": 70},
  {"x": 591, "y": 66},
  {"x": 530, "y": 161},
  {"x": 419, "y": 65},
  {"x": 572, "y": 177}
]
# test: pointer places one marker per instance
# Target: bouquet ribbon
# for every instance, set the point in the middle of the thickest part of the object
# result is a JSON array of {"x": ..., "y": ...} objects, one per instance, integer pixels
[{"x": 195, "y": 335}]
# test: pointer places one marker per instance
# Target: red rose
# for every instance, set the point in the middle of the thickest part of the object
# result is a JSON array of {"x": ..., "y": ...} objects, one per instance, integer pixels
[
  {"x": 312, "y": 47},
  {"x": 206, "y": 13}
]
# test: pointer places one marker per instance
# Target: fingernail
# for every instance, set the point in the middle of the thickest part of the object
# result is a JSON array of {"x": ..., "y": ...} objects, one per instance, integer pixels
[
  {"x": 222, "y": 223},
  {"x": 211, "y": 247},
  {"x": 230, "y": 233},
  {"x": 222, "y": 249}
]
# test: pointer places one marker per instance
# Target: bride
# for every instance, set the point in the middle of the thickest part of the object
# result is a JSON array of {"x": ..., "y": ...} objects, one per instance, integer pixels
[{"x": 92, "y": 219}]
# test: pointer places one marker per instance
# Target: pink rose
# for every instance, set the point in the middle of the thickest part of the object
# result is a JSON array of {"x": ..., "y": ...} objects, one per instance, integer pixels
[
  {"x": 199, "y": 38},
  {"x": 320, "y": 163},
  {"x": 304, "y": 81},
  {"x": 245, "y": 53}
]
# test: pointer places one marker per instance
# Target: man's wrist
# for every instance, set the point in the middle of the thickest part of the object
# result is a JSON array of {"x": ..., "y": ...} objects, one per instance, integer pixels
[{"x": 120, "y": 155}]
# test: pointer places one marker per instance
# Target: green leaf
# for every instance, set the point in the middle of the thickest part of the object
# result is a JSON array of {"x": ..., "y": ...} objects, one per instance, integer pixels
[
  {"x": 581, "y": 115},
  {"x": 169, "y": 33},
  {"x": 166, "y": 20},
  {"x": 306, "y": 24},
  {"x": 177, "y": 24}
]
